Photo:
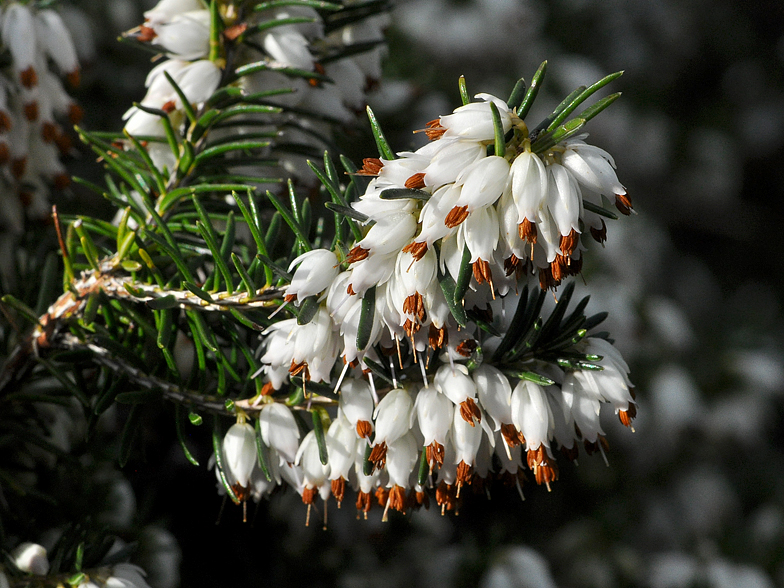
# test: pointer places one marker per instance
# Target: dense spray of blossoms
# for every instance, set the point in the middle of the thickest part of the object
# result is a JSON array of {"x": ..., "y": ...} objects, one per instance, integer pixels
[
  {"x": 449, "y": 378},
  {"x": 285, "y": 46},
  {"x": 35, "y": 110}
]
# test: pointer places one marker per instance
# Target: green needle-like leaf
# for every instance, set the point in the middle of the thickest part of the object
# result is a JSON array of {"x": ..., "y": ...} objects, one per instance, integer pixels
[
  {"x": 464, "y": 97},
  {"x": 366, "y": 318},
  {"x": 582, "y": 97},
  {"x": 464, "y": 276},
  {"x": 532, "y": 91},
  {"x": 498, "y": 128},
  {"x": 384, "y": 150},
  {"x": 178, "y": 420},
  {"x": 318, "y": 429},
  {"x": 217, "y": 447}
]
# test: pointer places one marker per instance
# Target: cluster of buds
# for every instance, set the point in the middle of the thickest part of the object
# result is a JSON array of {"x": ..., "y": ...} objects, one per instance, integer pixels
[
  {"x": 283, "y": 44},
  {"x": 33, "y": 103}
]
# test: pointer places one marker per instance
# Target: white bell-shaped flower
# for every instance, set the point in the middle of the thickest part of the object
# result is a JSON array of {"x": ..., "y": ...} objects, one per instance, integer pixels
[
  {"x": 279, "y": 430},
  {"x": 316, "y": 270},
  {"x": 434, "y": 414},
  {"x": 393, "y": 416},
  {"x": 563, "y": 199},
  {"x": 185, "y": 35},
  {"x": 356, "y": 404},
  {"x": 529, "y": 185},
  {"x": 401, "y": 458},
  {"x": 531, "y": 414},
  {"x": 239, "y": 453},
  {"x": 483, "y": 182},
  {"x": 452, "y": 158},
  {"x": 592, "y": 167},
  {"x": 474, "y": 121},
  {"x": 314, "y": 473},
  {"x": 495, "y": 394}
]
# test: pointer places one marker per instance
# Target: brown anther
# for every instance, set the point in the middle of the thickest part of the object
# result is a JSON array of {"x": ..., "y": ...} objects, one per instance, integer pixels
[
  {"x": 242, "y": 492},
  {"x": 546, "y": 278},
  {"x": 437, "y": 337},
  {"x": 231, "y": 33},
  {"x": 339, "y": 489},
  {"x": 169, "y": 106},
  {"x": 350, "y": 290},
  {"x": 267, "y": 389},
  {"x": 61, "y": 181},
  {"x": 434, "y": 453},
  {"x": 628, "y": 415},
  {"x": 415, "y": 182},
  {"x": 544, "y": 469},
  {"x": 482, "y": 272},
  {"x": 591, "y": 448},
  {"x": 364, "y": 428},
  {"x": 569, "y": 242},
  {"x": 416, "y": 249},
  {"x": 470, "y": 412},
  {"x": 510, "y": 434},
  {"x": 382, "y": 495},
  {"x": 48, "y": 131},
  {"x": 418, "y": 499},
  {"x": 571, "y": 453},
  {"x": 28, "y": 78},
  {"x": 31, "y": 111},
  {"x": 309, "y": 495},
  {"x": 146, "y": 34},
  {"x": 319, "y": 69},
  {"x": 75, "y": 113},
  {"x": 446, "y": 496},
  {"x": 623, "y": 203},
  {"x": 357, "y": 253},
  {"x": 415, "y": 305},
  {"x": 456, "y": 216},
  {"x": 371, "y": 166},
  {"x": 5, "y": 153},
  {"x": 364, "y": 502},
  {"x": 411, "y": 327},
  {"x": 289, "y": 297},
  {"x": 512, "y": 265},
  {"x": 74, "y": 78},
  {"x": 5, "y": 122},
  {"x": 575, "y": 266},
  {"x": 397, "y": 498},
  {"x": 464, "y": 473},
  {"x": 378, "y": 455},
  {"x": 559, "y": 268},
  {"x": 599, "y": 235},
  {"x": 466, "y": 347},
  {"x": 527, "y": 231},
  {"x": 434, "y": 129},
  {"x": 18, "y": 167},
  {"x": 63, "y": 143},
  {"x": 296, "y": 368}
]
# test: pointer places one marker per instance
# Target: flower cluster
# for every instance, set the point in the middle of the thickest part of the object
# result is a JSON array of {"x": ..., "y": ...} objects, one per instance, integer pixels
[
  {"x": 432, "y": 290},
  {"x": 283, "y": 45},
  {"x": 33, "y": 102}
]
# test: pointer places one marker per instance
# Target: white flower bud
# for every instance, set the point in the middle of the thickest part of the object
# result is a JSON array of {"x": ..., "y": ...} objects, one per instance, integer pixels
[
  {"x": 314, "y": 473},
  {"x": 342, "y": 448},
  {"x": 474, "y": 121},
  {"x": 563, "y": 199},
  {"x": 31, "y": 558}
]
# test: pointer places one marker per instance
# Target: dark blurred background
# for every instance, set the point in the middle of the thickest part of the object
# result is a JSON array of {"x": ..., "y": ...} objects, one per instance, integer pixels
[{"x": 695, "y": 497}]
